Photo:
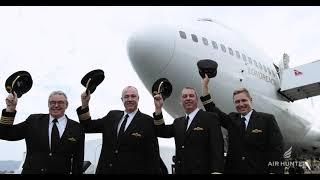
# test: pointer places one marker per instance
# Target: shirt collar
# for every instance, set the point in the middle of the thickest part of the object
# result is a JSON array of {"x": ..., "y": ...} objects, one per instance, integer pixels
[
  {"x": 62, "y": 118},
  {"x": 248, "y": 115},
  {"x": 193, "y": 113},
  {"x": 132, "y": 114}
]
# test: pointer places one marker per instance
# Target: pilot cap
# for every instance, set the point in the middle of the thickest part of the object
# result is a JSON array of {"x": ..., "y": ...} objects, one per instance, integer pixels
[
  {"x": 163, "y": 86},
  {"x": 92, "y": 79},
  {"x": 20, "y": 82},
  {"x": 207, "y": 66}
]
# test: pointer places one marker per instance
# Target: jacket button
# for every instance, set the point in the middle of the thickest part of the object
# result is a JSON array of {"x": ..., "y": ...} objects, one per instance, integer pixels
[
  {"x": 116, "y": 151},
  {"x": 110, "y": 165},
  {"x": 182, "y": 147},
  {"x": 179, "y": 162},
  {"x": 42, "y": 170},
  {"x": 243, "y": 158},
  {"x": 50, "y": 154}
]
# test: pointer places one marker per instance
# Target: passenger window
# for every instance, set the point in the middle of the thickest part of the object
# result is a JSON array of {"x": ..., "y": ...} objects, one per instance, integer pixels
[
  {"x": 237, "y": 54},
  {"x": 264, "y": 68},
  {"x": 274, "y": 74},
  {"x": 183, "y": 35},
  {"x": 249, "y": 59},
  {"x": 255, "y": 63},
  {"x": 230, "y": 51},
  {"x": 194, "y": 38},
  {"x": 244, "y": 58},
  {"x": 269, "y": 71},
  {"x": 260, "y": 66},
  {"x": 205, "y": 41},
  {"x": 223, "y": 48},
  {"x": 214, "y": 44}
]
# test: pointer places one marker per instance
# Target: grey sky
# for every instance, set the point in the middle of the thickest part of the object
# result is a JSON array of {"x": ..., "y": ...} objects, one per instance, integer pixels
[{"x": 59, "y": 45}]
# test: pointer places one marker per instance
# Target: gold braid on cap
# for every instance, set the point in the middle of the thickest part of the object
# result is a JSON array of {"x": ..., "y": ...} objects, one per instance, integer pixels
[
  {"x": 88, "y": 83},
  {"x": 14, "y": 81},
  {"x": 160, "y": 87}
]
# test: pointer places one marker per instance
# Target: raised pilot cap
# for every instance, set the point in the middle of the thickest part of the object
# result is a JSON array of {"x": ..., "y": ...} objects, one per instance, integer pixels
[
  {"x": 162, "y": 86},
  {"x": 20, "y": 82},
  {"x": 207, "y": 66},
  {"x": 92, "y": 79}
]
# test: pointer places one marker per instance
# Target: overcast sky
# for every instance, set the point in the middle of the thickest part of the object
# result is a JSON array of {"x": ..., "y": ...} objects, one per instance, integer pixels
[{"x": 59, "y": 45}]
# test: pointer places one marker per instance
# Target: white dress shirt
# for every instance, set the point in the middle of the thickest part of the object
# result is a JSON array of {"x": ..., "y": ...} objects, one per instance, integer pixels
[
  {"x": 247, "y": 116},
  {"x": 191, "y": 116},
  {"x": 61, "y": 124},
  {"x": 131, "y": 116}
]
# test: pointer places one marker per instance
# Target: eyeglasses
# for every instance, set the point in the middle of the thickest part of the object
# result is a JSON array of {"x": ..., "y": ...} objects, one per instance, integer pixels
[{"x": 53, "y": 103}]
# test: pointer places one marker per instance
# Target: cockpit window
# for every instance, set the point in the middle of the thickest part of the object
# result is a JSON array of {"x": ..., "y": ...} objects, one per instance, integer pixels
[
  {"x": 205, "y": 41},
  {"x": 183, "y": 35},
  {"x": 249, "y": 59},
  {"x": 214, "y": 44},
  {"x": 194, "y": 38},
  {"x": 230, "y": 51},
  {"x": 244, "y": 58},
  {"x": 237, "y": 54},
  {"x": 223, "y": 48}
]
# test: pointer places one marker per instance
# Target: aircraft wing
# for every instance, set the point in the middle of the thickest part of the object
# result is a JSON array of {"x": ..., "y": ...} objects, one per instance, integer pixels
[{"x": 301, "y": 82}]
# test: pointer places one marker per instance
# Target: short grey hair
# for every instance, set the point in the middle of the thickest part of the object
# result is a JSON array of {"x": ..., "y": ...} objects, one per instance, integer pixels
[
  {"x": 128, "y": 87},
  {"x": 58, "y": 93},
  {"x": 189, "y": 87}
]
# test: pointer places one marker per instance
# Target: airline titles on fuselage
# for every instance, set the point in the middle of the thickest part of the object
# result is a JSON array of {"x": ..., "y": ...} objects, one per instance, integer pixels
[{"x": 260, "y": 75}]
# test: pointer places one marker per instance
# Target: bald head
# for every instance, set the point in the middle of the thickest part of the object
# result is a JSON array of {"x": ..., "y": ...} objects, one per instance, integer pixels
[
  {"x": 131, "y": 88},
  {"x": 130, "y": 98}
]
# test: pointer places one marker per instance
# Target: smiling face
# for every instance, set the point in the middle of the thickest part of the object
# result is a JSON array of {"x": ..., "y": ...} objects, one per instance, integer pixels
[
  {"x": 189, "y": 99},
  {"x": 242, "y": 102},
  {"x": 57, "y": 104},
  {"x": 130, "y": 98}
]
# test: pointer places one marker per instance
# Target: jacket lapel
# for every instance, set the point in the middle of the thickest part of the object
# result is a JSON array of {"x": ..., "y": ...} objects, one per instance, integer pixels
[
  {"x": 194, "y": 122},
  {"x": 180, "y": 128},
  {"x": 133, "y": 124},
  {"x": 236, "y": 120},
  {"x": 45, "y": 130},
  {"x": 115, "y": 125},
  {"x": 66, "y": 132},
  {"x": 253, "y": 119},
  {"x": 131, "y": 127}
]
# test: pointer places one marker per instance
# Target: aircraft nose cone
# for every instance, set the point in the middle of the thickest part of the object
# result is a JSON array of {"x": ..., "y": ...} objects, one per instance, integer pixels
[{"x": 150, "y": 50}]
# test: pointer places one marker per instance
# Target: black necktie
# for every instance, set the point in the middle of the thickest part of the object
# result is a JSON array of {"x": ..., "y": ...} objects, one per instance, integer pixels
[
  {"x": 186, "y": 123},
  {"x": 243, "y": 124},
  {"x": 55, "y": 138},
  {"x": 123, "y": 125}
]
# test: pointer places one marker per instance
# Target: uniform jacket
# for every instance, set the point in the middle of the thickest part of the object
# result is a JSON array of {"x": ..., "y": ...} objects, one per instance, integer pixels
[
  {"x": 39, "y": 158},
  {"x": 136, "y": 152},
  {"x": 255, "y": 151},
  {"x": 199, "y": 150}
]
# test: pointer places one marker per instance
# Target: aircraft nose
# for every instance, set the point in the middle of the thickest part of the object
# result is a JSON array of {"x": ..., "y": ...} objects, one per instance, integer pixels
[{"x": 150, "y": 51}]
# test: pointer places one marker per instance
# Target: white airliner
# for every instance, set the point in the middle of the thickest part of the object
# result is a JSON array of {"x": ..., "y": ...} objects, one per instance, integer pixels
[{"x": 172, "y": 50}]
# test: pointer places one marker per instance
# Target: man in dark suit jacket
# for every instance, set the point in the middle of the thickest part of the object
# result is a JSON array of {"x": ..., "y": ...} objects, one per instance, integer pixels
[
  {"x": 129, "y": 141},
  {"x": 255, "y": 143},
  {"x": 65, "y": 155},
  {"x": 198, "y": 137}
]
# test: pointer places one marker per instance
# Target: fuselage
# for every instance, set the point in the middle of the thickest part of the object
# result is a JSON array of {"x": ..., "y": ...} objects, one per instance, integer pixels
[{"x": 172, "y": 51}]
